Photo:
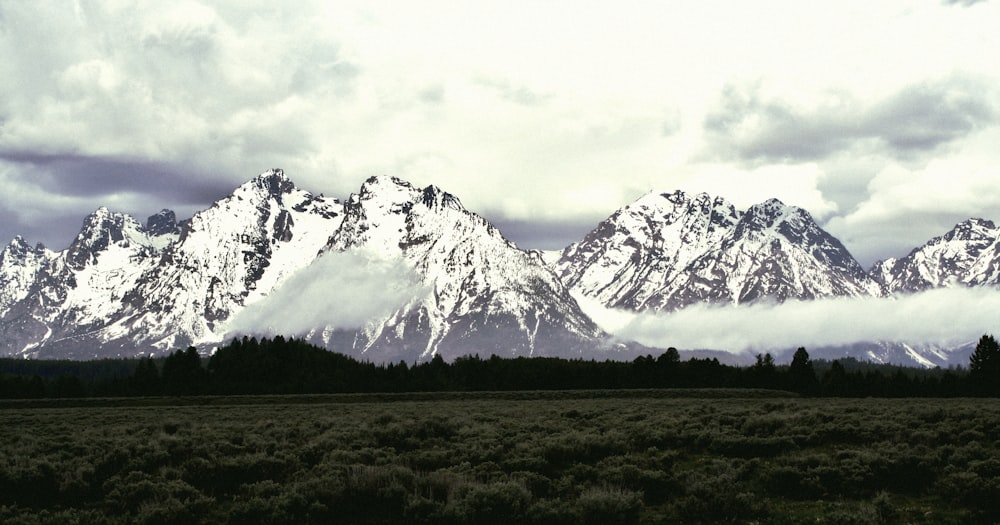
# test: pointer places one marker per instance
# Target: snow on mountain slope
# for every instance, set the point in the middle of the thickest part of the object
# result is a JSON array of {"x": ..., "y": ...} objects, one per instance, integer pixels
[
  {"x": 227, "y": 256},
  {"x": 645, "y": 246},
  {"x": 19, "y": 267},
  {"x": 124, "y": 289},
  {"x": 969, "y": 254},
  {"x": 400, "y": 272},
  {"x": 78, "y": 289},
  {"x": 668, "y": 251},
  {"x": 486, "y": 295},
  {"x": 774, "y": 253}
]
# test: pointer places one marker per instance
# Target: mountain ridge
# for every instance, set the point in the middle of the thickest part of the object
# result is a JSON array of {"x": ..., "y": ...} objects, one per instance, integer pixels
[
  {"x": 127, "y": 288},
  {"x": 667, "y": 251}
]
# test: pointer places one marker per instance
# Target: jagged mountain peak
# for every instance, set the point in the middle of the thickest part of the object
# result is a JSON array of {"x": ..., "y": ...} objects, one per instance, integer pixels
[
  {"x": 772, "y": 204},
  {"x": 670, "y": 250},
  {"x": 19, "y": 267},
  {"x": 642, "y": 247},
  {"x": 102, "y": 229},
  {"x": 19, "y": 245},
  {"x": 20, "y": 251},
  {"x": 656, "y": 210},
  {"x": 971, "y": 230},
  {"x": 384, "y": 191},
  {"x": 394, "y": 193},
  {"x": 271, "y": 184},
  {"x": 771, "y": 212},
  {"x": 377, "y": 183},
  {"x": 789, "y": 222},
  {"x": 384, "y": 214},
  {"x": 163, "y": 222},
  {"x": 968, "y": 254}
]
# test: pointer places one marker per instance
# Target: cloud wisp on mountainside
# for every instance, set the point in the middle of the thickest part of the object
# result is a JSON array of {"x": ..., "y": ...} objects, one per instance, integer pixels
[{"x": 339, "y": 290}]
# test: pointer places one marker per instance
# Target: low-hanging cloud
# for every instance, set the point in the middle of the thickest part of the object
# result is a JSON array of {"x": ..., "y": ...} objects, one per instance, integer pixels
[
  {"x": 942, "y": 316},
  {"x": 339, "y": 291}
]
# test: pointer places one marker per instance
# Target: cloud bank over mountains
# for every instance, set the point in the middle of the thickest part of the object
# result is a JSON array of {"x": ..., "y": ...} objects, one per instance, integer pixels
[
  {"x": 876, "y": 118},
  {"x": 947, "y": 317}
]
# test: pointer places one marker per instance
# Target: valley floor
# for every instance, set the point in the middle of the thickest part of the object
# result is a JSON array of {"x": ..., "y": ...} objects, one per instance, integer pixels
[{"x": 650, "y": 456}]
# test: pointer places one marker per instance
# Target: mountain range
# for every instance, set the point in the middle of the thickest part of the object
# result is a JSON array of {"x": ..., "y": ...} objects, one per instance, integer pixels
[{"x": 397, "y": 272}]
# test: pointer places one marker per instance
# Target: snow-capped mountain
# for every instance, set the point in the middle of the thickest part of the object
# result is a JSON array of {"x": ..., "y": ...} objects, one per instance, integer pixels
[
  {"x": 968, "y": 255},
  {"x": 917, "y": 355},
  {"x": 668, "y": 251},
  {"x": 123, "y": 288},
  {"x": 226, "y": 257},
  {"x": 486, "y": 296},
  {"x": 76, "y": 291}
]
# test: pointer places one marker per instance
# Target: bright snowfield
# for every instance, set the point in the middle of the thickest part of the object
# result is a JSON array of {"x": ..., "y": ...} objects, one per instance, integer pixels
[{"x": 399, "y": 272}]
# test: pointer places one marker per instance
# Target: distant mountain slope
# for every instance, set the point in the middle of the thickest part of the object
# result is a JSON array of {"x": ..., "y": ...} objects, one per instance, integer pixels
[
  {"x": 968, "y": 255},
  {"x": 668, "y": 251}
]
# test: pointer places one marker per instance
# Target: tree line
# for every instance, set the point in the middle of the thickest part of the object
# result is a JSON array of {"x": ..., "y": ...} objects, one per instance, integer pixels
[{"x": 292, "y": 366}]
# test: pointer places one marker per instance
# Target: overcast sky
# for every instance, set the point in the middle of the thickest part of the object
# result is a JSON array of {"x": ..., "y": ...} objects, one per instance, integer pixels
[{"x": 880, "y": 118}]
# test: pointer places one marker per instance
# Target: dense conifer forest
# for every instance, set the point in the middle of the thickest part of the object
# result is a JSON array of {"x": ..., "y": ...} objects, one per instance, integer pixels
[{"x": 291, "y": 366}]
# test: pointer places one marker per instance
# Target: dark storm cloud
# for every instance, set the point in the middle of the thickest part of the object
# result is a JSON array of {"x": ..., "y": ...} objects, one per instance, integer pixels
[
  {"x": 923, "y": 117},
  {"x": 750, "y": 127},
  {"x": 82, "y": 176},
  {"x": 56, "y": 232},
  {"x": 52, "y": 194},
  {"x": 539, "y": 234}
]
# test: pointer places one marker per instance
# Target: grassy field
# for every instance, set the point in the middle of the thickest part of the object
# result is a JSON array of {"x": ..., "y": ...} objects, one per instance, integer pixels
[{"x": 540, "y": 457}]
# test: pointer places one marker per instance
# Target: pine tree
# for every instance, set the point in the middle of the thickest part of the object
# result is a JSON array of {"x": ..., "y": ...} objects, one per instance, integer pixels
[
  {"x": 984, "y": 366},
  {"x": 801, "y": 374}
]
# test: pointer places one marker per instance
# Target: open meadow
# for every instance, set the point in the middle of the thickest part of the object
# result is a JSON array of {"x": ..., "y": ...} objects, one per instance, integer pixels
[{"x": 540, "y": 457}]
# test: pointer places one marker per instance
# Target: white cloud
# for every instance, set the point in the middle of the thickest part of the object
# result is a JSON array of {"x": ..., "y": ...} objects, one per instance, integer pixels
[
  {"x": 902, "y": 207},
  {"x": 553, "y": 111},
  {"x": 793, "y": 184},
  {"x": 339, "y": 290},
  {"x": 943, "y": 316}
]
